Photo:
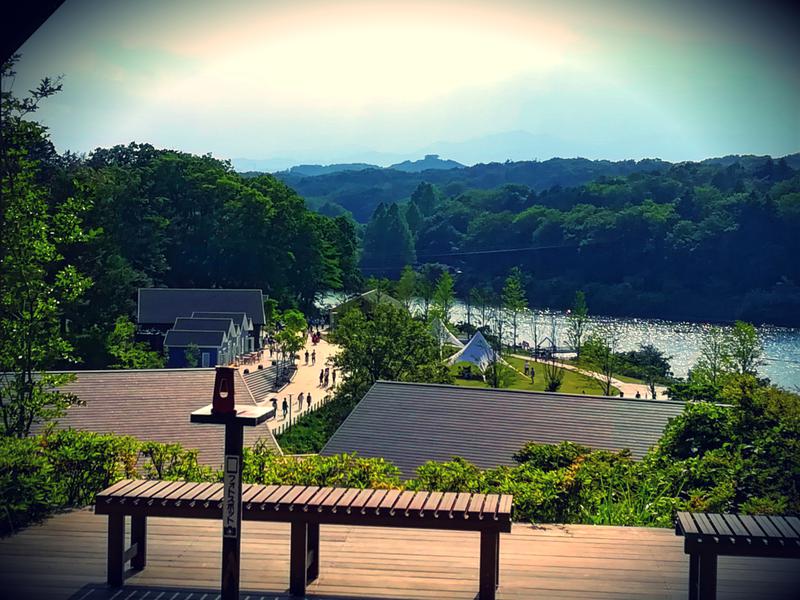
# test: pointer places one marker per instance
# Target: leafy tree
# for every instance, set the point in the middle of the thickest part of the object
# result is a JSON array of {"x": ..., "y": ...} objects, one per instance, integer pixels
[
  {"x": 413, "y": 217},
  {"x": 425, "y": 198},
  {"x": 36, "y": 282},
  {"x": 553, "y": 374},
  {"x": 428, "y": 274},
  {"x": 577, "y": 321},
  {"x": 443, "y": 296},
  {"x": 192, "y": 355},
  {"x": 388, "y": 243},
  {"x": 598, "y": 351},
  {"x": 744, "y": 349},
  {"x": 129, "y": 353},
  {"x": 714, "y": 362},
  {"x": 390, "y": 345},
  {"x": 407, "y": 286},
  {"x": 514, "y": 300}
]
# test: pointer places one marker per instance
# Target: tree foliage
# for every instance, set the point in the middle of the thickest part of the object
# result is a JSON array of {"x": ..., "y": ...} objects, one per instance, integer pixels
[
  {"x": 37, "y": 281},
  {"x": 129, "y": 353}
]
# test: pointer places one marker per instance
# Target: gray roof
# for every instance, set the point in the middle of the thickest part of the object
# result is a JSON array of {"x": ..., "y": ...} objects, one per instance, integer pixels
[
  {"x": 410, "y": 423},
  {"x": 195, "y": 324},
  {"x": 177, "y": 338},
  {"x": 164, "y": 305},
  {"x": 239, "y": 318},
  {"x": 154, "y": 404}
]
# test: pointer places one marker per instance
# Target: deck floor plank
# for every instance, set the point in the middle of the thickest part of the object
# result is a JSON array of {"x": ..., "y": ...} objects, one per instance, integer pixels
[{"x": 65, "y": 557}]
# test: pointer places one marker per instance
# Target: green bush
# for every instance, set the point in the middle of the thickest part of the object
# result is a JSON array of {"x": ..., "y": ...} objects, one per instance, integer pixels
[
  {"x": 27, "y": 484},
  {"x": 86, "y": 462},
  {"x": 173, "y": 462},
  {"x": 550, "y": 456}
]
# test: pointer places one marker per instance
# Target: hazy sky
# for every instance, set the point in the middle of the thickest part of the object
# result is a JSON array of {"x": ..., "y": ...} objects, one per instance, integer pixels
[{"x": 475, "y": 81}]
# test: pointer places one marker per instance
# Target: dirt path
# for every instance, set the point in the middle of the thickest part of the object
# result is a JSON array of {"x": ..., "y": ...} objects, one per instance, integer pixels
[{"x": 629, "y": 390}]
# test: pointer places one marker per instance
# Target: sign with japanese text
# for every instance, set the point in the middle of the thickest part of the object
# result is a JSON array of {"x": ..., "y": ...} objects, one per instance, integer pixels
[{"x": 232, "y": 498}]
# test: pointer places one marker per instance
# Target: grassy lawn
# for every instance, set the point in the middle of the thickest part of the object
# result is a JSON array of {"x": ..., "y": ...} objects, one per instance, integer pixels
[
  {"x": 624, "y": 378},
  {"x": 573, "y": 383}
]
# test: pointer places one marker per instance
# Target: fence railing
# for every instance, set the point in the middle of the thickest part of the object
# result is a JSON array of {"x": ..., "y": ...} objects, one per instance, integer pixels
[{"x": 279, "y": 429}]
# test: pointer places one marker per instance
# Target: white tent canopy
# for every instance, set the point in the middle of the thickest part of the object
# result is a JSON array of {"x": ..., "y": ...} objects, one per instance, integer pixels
[
  {"x": 477, "y": 351},
  {"x": 443, "y": 335}
]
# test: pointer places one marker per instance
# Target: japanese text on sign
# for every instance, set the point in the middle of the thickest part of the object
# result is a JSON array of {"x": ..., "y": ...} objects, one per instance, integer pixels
[{"x": 232, "y": 497}]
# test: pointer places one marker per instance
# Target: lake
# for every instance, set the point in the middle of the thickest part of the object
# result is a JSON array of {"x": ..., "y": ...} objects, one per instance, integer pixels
[{"x": 680, "y": 340}]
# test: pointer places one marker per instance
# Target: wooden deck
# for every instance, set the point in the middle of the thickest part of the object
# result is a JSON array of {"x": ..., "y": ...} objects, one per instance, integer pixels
[{"x": 65, "y": 558}]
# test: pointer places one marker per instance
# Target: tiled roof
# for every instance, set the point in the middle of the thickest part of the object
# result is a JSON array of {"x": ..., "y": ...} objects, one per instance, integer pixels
[
  {"x": 154, "y": 405},
  {"x": 409, "y": 423},
  {"x": 164, "y": 305},
  {"x": 176, "y": 338}
]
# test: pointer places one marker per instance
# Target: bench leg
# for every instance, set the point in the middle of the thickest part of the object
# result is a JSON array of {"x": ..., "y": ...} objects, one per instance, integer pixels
[
  {"x": 694, "y": 568},
  {"x": 312, "y": 569},
  {"x": 139, "y": 537},
  {"x": 116, "y": 549},
  {"x": 707, "y": 584},
  {"x": 488, "y": 564},
  {"x": 297, "y": 558},
  {"x": 497, "y": 563}
]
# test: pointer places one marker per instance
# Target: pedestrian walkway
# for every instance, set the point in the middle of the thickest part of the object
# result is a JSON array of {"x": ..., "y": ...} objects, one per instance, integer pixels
[
  {"x": 629, "y": 390},
  {"x": 305, "y": 381}
]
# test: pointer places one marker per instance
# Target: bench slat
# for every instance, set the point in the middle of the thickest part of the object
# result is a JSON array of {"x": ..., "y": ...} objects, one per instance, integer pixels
[
  {"x": 388, "y": 501},
  {"x": 751, "y": 526},
  {"x": 115, "y": 488},
  {"x": 360, "y": 500},
  {"x": 417, "y": 502},
  {"x": 151, "y": 491},
  {"x": 203, "y": 487},
  {"x": 767, "y": 527},
  {"x": 784, "y": 527},
  {"x": 446, "y": 505},
  {"x": 144, "y": 487},
  {"x": 317, "y": 498},
  {"x": 178, "y": 491},
  {"x": 288, "y": 499},
  {"x": 187, "y": 492},
  {"x": 475, "y": 507},
  {"x": 302, "y": 499},
  {"x": 687, "y": 523},
  {"x": 375, "y": 500},
  {"x": 490, "y": 506},
  {"x": 504, "y": 507},
  {"x": 431, "y": 503},
  {"x": 253, "y": 492},
  {"x": 332, "y": 498},
  {"x": 706, "y": 528},
  {"x": 267, "y": 499},
  {"x": 402, "y": 502},
  {"x": 461, "y": 503},
  {"x": 720, "y": 524},
  {"x": 794, "y": 522},
  {"x": 344, "y": 502},
  {"x": 736, "y": 525}
]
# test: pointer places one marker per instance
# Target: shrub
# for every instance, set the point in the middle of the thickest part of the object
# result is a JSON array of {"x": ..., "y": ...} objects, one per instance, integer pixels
[
  {"x": 174, "y": 462},
  {"x": 550, "y": 456},
  {"x": 27, "y": 484},
  {"x": 701, "y": 427}
]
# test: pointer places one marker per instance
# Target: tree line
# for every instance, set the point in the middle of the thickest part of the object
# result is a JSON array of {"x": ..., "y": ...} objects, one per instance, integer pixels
[{"x": 696, "y": 241}]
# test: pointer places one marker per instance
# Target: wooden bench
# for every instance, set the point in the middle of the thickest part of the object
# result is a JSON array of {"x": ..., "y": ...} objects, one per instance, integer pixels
[
  {"x": 306, "y": 508},
  {"x": 708, "y": 536}
]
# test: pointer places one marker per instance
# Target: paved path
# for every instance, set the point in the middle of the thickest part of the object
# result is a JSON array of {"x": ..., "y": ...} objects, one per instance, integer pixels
[
  {"x": 305, "y": 381},
  {"x": 628, "y": 389}
]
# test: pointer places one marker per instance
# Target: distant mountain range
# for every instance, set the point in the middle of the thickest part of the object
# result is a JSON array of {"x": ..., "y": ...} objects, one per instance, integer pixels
[{"x": 358, "y": 190}]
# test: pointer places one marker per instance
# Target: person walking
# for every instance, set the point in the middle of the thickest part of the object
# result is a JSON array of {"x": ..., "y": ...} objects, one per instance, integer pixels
[
  {"x": 308, "y": 401},
  {"x": 533, "y": 373},
  {"x": 321, "y": 376},
  {"x": 527, "y": 367},
  {"x": 314, "y": 356},
  {"x": 333, "y": 375},
  {"x": 638, "y": 395},
  {"x": 300, "y": 401},
  {"x": 285, "y": 407},
  {"x": 306, "y": 356}
]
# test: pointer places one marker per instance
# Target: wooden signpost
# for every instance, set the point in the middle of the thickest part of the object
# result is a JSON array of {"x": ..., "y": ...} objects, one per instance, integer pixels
[{"x": 224, "y": 411}]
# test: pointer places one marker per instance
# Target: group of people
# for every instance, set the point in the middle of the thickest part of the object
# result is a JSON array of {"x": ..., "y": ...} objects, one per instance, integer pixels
[
  {"x": 529, "y": 370},
  {"x": 313, "y": 356},
  {"x": 301, "y": 397},
  {"x": 325, "y": 376}
]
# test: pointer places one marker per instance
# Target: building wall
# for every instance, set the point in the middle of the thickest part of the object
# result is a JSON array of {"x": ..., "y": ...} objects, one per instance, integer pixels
[{"x": 176, "y": 357}]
